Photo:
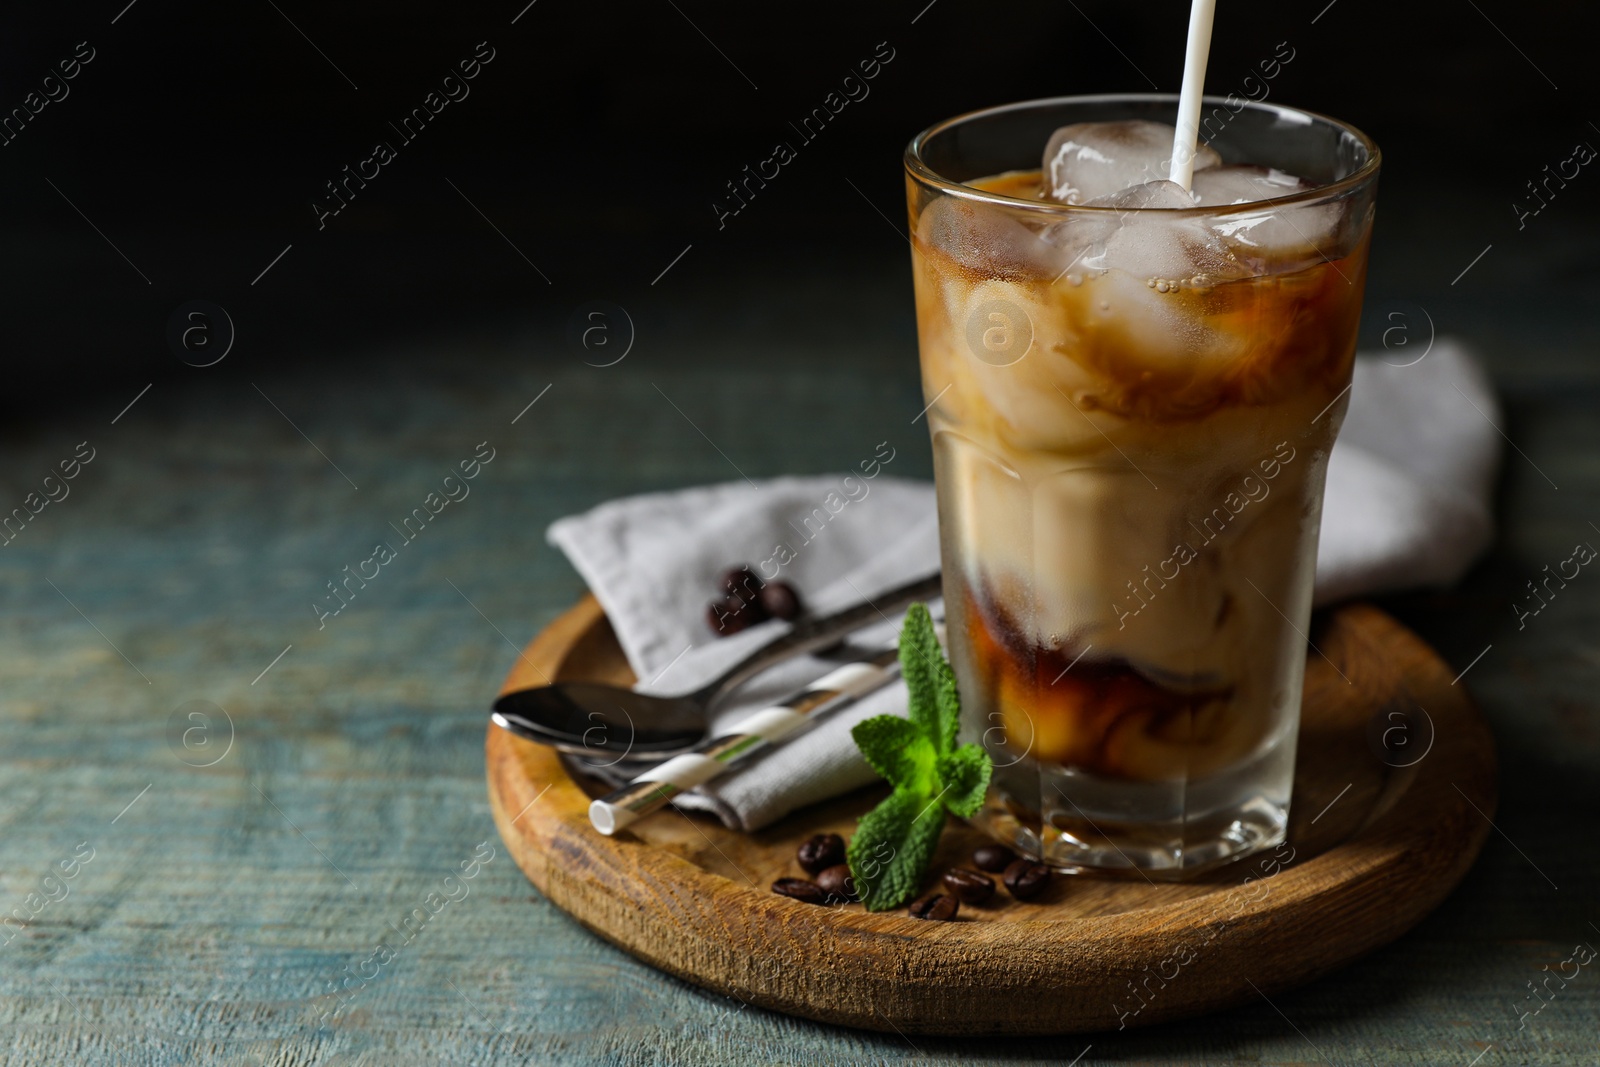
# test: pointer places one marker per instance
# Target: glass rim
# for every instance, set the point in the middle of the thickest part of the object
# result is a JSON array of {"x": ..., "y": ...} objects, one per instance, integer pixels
[{"x": 918, "y": 168}]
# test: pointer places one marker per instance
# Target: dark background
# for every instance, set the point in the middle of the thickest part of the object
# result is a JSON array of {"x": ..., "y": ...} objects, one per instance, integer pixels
[{"x": 596, "y": 140}]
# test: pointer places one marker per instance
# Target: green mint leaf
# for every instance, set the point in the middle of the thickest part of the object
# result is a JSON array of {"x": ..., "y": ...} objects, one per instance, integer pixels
[
  {"x": 963, "y": 779},
  {"x": 947, "y": 705},
  {"x": 892, "y": 847},
  {"x": 898, "y": 750},
  {"x": 917, "y": 667},
  {"x": 935, "y": 705},
  {"x": 894, "y": 842}
]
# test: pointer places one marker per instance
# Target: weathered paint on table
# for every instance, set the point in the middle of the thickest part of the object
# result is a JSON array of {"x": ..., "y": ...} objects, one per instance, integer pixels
[{"x": 223, "y": 903}]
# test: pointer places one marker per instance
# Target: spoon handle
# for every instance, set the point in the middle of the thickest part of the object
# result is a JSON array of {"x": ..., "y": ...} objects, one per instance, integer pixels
[
  {"x": 656, "y": 787},
  {"x": 809, "y": 635}
]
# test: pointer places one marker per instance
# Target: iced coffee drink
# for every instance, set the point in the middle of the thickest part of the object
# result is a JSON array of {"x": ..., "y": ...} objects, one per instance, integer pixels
[{"x": 1134, "y": 388}]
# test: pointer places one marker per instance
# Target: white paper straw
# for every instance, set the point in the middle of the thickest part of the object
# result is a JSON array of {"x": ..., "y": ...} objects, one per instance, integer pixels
[
  {"x": 1186, "y": 140},
  {"x": 653, "y": 789}
]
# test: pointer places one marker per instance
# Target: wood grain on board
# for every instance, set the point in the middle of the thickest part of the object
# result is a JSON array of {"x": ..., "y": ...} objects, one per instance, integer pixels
[{"x": 1374, "y": 849}]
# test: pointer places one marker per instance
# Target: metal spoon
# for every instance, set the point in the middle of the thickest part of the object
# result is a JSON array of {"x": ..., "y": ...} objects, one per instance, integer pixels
[{"x": 591, "y": 718}]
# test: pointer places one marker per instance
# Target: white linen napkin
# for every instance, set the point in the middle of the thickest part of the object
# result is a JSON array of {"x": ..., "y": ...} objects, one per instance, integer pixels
[{"x": 1408, "y": 504}]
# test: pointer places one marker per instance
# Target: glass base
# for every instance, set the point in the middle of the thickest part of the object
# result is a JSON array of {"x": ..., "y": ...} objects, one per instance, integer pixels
[{"x": 1080, "y": 823}]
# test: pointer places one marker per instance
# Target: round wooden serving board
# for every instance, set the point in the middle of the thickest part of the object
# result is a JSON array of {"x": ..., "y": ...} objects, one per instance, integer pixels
[{"x": 1375, "y": 848}]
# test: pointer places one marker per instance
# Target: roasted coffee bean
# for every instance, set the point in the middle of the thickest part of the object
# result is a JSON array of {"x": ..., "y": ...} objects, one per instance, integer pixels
[
  {"x": 729, "y": 616},
  {"x": 779, "y": 600},
  {"x": 969, "y": 887},
  {"x": 741, "y": 581},
  {"x": 743, "y": 591},
  {"x": 993, "y": 858},
  {"x": 819, "y": 852},
  {"x": 1027, "y": 879},
  {"x": 935, "y": 906},
  {"x": 800, "y": 889},
  {"x": 837, "y": 883}
]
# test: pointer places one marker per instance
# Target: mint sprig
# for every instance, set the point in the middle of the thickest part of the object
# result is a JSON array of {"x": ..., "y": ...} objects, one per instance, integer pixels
[{"x": 918, "y": 755}]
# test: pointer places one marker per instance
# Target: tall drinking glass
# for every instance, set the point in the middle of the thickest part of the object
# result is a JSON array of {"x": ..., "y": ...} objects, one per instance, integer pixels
[{"x": 1131, "y": 413}]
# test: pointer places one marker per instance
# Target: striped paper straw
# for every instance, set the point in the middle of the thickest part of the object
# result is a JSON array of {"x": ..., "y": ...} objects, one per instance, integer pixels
[{"x": 655, "y": 788}]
